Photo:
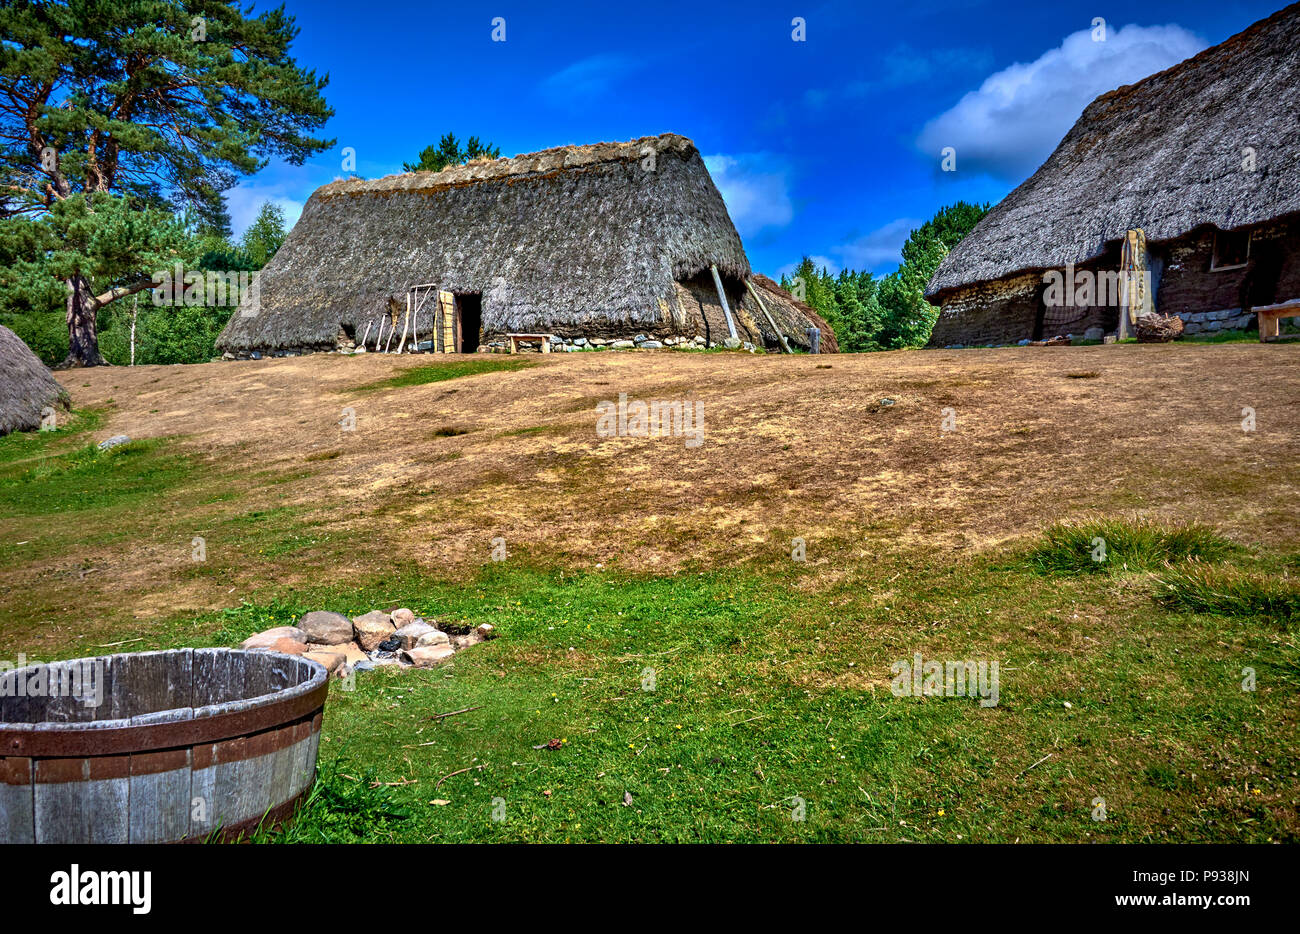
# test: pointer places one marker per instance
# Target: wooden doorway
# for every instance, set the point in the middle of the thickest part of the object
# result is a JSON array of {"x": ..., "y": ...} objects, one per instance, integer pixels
[{"x": 469, "y": 321}]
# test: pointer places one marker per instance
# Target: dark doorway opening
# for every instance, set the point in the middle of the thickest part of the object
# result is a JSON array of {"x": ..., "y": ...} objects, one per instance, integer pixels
[
  {"x": 469, "y": 321},
  {"x": 1040, "y": 312}
]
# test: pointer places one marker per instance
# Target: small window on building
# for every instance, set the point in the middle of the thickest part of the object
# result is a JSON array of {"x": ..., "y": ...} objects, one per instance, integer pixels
[{"x": 1231, "y": 250}]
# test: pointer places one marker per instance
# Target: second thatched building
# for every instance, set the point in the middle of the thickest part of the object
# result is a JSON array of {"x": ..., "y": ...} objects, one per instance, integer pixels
[{"x": 1189, "y": 178}]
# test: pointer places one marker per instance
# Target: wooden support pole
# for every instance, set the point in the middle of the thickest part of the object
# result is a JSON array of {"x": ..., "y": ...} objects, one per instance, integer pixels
[
  {"x": 405, "y": 324},
  {"x": 415, "y": 329},
  {"x": 366, "y": 334},
  {"x": 722, "y": 297},
  {"x": 779, "y": 336}
]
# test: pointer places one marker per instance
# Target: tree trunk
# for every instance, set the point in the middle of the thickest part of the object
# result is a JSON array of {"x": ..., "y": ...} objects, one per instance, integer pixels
[{"x": 83, "y": 339}]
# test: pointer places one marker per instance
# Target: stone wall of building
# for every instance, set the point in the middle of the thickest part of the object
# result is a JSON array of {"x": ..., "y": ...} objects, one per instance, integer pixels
[
  {"x": 1208, "y": 300},
  {"x": 1192, "y": 290},
  {"x": 1202, "y": 322},
  {"x": 1000, "y": 312},
  {"x": 1188, "y": 286}
]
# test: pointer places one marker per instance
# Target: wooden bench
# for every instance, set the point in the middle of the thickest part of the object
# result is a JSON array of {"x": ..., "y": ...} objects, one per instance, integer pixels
[
  {"x": 1270, "y": 317},
  {"x": 515, "y": 338}
]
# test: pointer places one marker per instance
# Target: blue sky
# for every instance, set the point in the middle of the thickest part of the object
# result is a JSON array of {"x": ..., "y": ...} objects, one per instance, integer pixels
[{"x": 829, "y": 147}]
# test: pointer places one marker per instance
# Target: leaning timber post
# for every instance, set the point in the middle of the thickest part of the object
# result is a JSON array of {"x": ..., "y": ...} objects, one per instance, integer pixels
[
  {"x": 722, "y": 297},
  {"x": 779, "y": 336},
  {"x": 366, "y": 334},
  {"x": 405, "y": 324}
]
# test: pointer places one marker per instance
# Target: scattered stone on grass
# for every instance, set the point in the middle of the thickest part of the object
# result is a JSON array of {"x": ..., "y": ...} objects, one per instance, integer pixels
[
  {"x": 331, "y": 660},
  {"x": 428, "y": 656},
  {"x": 372, "y": 628},
  {"x": 285, "y": 645},
  {"x": 410, "y": 633},
  {"x": 267, "y": 638},
  {"x": 326, "y": 628}
]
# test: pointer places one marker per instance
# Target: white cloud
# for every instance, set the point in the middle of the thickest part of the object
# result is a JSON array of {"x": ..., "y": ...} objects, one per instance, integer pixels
[
  {"x": 245, "y": 200},
  {"x": 1019, "y": 114},
  {"x": 755, "y": 187},
  {"x": 587, "y": 79},
  {"x": 881, "y": 248},
  {"x": 825, "y": 262}
]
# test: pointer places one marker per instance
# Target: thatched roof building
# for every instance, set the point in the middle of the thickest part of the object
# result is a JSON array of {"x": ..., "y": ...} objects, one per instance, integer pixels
[
  {"x": 1202, "y": 157},
  {"x": 607, "y": 241},
  {"x": 26, "y": 386}
]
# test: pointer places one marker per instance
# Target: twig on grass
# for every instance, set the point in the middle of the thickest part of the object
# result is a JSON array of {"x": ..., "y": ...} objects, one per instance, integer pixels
[
  {"x": 1035, "y": 765},
  {"x": 405, "y": 781},
  {"x": 457, "y": 772},
  {"x": 452, "y": 713}
]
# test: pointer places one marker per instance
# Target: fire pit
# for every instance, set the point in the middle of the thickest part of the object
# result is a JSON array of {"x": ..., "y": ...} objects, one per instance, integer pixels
[{"x": 156, "y": 747}]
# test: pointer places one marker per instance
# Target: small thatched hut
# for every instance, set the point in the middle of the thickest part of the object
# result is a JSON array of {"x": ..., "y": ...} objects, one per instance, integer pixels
[
  {"x": 27, "y": 387},
  {"x": 588, "y": 244},
  {"x": 1201, "y": 157}
]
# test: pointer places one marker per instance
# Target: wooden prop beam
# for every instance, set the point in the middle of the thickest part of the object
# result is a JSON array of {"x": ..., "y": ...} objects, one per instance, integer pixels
[
  {"x": 779, "y": 336},
  {"x": 722, "y": 297}
]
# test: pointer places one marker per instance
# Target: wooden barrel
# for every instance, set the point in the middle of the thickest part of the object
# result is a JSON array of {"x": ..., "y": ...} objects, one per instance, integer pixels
[{"x": 155, "y": 747}]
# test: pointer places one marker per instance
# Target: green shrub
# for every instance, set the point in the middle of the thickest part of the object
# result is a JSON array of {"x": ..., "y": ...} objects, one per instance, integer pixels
[
  {"x": 1102, "y": 545},
  {"x": 45, "y": 333},
  {"x": 163, "y": 335},
  {"x": 1230, "y": 592}
]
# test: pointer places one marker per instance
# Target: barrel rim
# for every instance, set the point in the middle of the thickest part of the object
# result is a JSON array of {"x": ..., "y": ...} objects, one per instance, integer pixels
[{"x": 178, "y": 726}]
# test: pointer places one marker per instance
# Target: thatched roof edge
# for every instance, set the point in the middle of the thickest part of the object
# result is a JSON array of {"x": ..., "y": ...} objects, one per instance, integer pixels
[{"x": 26, "y": 386}]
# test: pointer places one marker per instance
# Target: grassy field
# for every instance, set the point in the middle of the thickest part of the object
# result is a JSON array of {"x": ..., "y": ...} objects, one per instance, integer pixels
[{"x": 681, "y": 678}]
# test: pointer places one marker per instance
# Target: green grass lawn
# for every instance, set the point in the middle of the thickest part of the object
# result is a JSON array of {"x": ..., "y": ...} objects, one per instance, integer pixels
[
  {"x": 754, "y": 704},
  {"x": 728, "y": 704},
  {"x": 445, "y": 370}
]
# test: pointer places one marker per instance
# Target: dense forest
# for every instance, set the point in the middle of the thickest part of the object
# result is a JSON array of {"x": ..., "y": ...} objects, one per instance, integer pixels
[{"x": 887, "y": 312}]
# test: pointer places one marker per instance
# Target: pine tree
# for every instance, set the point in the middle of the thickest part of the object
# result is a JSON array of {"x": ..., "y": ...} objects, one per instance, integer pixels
[
  {"x": 120, "y": 114},
  {"x": 449, "y": 152}
]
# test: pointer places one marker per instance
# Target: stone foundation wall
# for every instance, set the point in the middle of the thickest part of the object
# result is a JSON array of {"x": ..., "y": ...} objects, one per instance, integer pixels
[
  {"x": 558, "y": 344},
  {"x": 281, "y": 352},
  {"x": 999, "y": 312},
  {"x": 1230, "y": 319},
  {"x": 643, "y": 341}
]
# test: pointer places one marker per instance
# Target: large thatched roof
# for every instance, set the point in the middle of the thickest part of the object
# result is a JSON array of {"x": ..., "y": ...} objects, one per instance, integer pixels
[
  {"x": 584, "y": 239},
  {"x": 26, "y": 386},
  {"x": 1164, "y": 154}
]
